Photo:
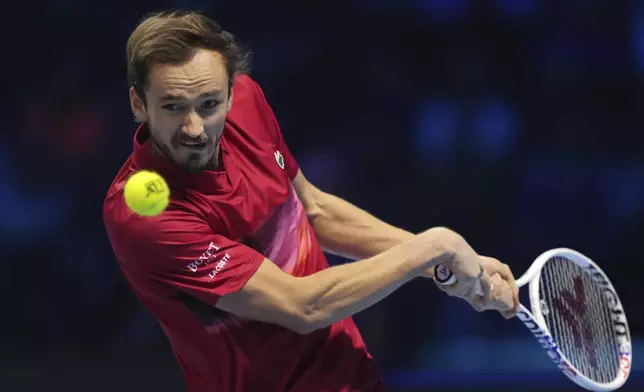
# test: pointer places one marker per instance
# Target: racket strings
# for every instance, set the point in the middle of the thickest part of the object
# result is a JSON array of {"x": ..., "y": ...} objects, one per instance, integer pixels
[
  {"x": 578, "y": 316},
  {"x": 602, "y": 316}
]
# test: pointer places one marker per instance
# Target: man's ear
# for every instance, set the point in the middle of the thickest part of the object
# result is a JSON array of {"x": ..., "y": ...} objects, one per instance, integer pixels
[
  {"x": 230, "y": 100},
  {"x": 138, "y": 107}
]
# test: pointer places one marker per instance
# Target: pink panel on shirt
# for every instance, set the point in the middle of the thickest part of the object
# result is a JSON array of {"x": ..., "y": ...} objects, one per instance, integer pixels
[{"x": 279, "y": 238}]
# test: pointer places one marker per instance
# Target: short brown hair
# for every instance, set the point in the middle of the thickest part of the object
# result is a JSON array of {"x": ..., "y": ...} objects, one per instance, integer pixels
[{"x": 172, "y": 38}]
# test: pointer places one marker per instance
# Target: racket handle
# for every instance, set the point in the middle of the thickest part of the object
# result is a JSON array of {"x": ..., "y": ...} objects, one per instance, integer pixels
[{"x": 445, "y": 277}]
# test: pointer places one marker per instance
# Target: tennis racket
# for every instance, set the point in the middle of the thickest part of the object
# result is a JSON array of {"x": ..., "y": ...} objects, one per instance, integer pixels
[{"x": 576, "y": 316}]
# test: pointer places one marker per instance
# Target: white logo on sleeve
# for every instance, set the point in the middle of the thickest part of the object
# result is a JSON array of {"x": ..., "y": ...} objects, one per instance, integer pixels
[
  {"x": 219, "y": 266},
  {"x": 208, "y": 257}
]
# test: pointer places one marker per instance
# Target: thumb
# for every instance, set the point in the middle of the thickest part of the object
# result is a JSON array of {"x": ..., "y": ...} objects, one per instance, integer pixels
[{"x": 481, "y": 291}]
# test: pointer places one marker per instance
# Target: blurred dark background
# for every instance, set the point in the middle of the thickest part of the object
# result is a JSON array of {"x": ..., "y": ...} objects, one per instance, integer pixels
[{"x": 515, "y": 122}]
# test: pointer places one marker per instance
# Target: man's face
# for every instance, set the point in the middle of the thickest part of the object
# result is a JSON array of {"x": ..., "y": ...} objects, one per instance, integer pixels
[{"x": 186, "y": 107}]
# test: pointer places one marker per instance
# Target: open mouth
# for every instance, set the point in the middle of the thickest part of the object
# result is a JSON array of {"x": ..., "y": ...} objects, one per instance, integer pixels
[{"x": 195, "y": 146}]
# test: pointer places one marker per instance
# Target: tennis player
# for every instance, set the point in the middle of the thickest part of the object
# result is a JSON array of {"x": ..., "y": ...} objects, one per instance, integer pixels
[{"x": 234, "y": 270}]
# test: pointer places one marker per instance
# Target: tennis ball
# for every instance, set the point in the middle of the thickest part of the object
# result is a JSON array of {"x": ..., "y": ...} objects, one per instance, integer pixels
[{"x": 146, "y": 193}]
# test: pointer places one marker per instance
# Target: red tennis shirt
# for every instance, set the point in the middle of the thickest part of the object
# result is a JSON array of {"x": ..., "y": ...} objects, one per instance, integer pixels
[{"x": 218, "y": 228}]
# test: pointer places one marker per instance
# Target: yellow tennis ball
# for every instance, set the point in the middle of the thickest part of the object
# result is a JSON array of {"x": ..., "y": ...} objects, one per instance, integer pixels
[{"x": 146, "y": 193}]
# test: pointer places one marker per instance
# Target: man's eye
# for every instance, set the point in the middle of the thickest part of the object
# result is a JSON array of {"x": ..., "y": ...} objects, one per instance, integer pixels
[
  {"x": 210, "y": 104},
  {"x": 171, "y": 107}
]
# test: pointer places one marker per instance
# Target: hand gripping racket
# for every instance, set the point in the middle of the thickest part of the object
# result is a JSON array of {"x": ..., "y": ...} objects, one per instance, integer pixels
[{"x": 576, "y": 316}]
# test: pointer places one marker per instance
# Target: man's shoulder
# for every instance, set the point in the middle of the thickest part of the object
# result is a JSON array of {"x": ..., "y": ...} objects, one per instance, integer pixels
[
  {"x": 251, "y": 113},
  {"x": 176, "y": 218},
  {"x": 244, "y": 83},
  {"x": 176, "y": 223},
  {"x": 248, "y": 97},
  {"x": 142, "y": 244}
]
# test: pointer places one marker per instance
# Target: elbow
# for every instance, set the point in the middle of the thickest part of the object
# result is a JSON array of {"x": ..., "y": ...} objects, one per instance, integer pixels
[
  {"x": 309, "y": 316},
  {"x": 305, "y": 327},
  {"x": 303, "y": 324},
  {"x": 307, "y": 320}
]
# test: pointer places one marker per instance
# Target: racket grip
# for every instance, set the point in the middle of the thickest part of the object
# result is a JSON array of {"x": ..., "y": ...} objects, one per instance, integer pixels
[{"x": 445, "y": 277}]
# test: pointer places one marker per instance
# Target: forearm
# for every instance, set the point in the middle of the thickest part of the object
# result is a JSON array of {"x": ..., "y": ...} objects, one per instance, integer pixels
[
  {"x": 342, "y": 291},
  {"x": 349, "y": 231}
]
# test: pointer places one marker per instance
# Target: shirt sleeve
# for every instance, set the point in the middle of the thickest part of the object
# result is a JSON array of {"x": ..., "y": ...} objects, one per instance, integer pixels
[
  {"x": 210, "y": 267},
  {"x": 189, "y": 258},
  {"x": 290, "y": 163}
]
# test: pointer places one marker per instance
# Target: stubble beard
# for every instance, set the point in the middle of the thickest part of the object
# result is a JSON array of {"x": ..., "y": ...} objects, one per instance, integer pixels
[{"x": 188, "y": 165}]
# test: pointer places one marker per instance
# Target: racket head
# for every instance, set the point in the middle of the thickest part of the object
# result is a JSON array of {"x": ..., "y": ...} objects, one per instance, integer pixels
[{"x": 578, "y": 310}]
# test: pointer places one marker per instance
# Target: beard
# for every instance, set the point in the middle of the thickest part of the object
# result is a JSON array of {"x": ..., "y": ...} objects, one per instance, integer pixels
[
  {"x": 195, "y": 165},
  {"x": 189, "y": 161}
]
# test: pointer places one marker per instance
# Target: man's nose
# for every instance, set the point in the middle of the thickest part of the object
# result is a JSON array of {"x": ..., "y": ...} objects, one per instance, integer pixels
[{"x": 193, "y": 125}]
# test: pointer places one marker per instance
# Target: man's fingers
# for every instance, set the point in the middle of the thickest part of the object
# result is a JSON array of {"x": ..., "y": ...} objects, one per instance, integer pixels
[
  {"x": 477, "y": 306},
  {"x": 476, "y": 300},
  {"x": 508, "y": 314},
  {"x": 485, "y": 283},
  {"x": 494, "y": 266},
  {"x": 481, "y": 292},
  {"x": 515, "y": 297},
  {"x": 494, "y": 288},
  {"x": 505, "y": 272}
]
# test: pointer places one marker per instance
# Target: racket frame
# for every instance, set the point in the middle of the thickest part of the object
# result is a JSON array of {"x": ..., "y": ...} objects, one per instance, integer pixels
[{"x": 535, "y": 321}]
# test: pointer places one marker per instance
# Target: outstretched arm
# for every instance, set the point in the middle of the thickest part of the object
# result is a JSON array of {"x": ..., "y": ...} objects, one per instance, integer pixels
[
  {"x": 304, "y": 304},
  {"x": 344, "y": 229}
]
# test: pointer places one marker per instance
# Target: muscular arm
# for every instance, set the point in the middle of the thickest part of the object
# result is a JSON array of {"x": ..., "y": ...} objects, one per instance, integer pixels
[
  {"x": 307, "y": 303},
  {"x": 344, "y": 229}
]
